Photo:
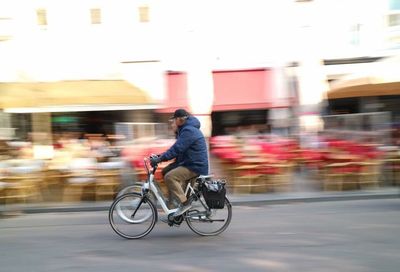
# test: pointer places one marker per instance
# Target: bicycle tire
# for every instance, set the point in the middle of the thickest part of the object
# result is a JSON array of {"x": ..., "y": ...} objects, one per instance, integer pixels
[
  {"x": 197, "y": 215},
  {"x": 128, "y": 203}
]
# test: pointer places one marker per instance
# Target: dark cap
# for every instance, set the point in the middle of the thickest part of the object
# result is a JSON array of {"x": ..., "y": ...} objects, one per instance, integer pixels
[{"x": 180, "y": 113}]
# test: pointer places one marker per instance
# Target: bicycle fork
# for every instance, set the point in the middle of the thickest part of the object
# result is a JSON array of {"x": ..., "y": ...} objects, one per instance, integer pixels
[{"x": 143, "y": 199}]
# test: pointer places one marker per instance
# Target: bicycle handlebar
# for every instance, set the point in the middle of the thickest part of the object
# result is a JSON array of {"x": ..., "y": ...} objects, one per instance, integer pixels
[{"x": 146, "y": 162}]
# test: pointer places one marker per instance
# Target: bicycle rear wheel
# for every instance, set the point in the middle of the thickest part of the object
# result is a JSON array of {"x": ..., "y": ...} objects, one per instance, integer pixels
[
  {"x": 132, "y": 216},
  {"x": 208, "y": 222}
]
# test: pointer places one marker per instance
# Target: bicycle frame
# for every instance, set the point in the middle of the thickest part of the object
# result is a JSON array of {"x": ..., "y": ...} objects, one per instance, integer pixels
[{"x": 150, "y": 185}]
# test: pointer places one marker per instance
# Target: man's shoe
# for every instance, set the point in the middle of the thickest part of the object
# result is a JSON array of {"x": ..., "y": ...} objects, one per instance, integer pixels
[{"x": 184, "y": 207}]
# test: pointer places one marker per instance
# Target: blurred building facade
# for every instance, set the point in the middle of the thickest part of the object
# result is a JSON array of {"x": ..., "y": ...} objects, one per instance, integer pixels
[
  {"x": 65, "y": 61},
  {"x": 238, "y": 64}
]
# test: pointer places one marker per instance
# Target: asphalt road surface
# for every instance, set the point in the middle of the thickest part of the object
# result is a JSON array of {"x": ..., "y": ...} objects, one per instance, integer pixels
[{"x": 326, "y": 236}]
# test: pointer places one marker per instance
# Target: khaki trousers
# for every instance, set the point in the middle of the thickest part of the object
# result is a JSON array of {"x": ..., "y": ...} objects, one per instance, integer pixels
[{"x": 175, "y": 180}]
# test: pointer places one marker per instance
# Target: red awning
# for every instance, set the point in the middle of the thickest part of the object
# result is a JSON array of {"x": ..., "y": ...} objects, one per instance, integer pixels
[
  {"x": 233, "y": 90},
  {"x": 176, "y": 96},
  {"x": 243, "y": 89}
]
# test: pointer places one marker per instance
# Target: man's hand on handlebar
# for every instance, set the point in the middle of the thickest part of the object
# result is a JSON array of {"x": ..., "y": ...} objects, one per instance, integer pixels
[{"x": 154, "y": 160}]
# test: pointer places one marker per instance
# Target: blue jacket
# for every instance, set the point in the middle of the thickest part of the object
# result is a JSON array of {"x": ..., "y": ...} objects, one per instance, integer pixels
[{"x": 190, "y": 148}]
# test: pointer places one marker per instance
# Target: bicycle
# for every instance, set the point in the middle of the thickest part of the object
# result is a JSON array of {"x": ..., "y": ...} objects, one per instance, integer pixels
[{"x": 133, "y": 215}]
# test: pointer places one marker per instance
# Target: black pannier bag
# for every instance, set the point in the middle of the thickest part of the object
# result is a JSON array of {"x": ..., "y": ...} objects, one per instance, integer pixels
[{"x": 214, "y": 193}]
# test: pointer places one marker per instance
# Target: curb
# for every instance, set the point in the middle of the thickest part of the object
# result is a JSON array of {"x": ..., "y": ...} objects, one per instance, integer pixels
[{"x": 236, "y": 201}]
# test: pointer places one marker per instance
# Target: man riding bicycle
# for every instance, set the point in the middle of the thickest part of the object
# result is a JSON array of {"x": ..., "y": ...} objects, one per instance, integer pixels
[{"x": 190, "y": 152}]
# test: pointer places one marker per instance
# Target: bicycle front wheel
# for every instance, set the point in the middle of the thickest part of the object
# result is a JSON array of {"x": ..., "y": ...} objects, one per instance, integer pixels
[
  {"x": 208, "y": 222},
  {"x": 132, "y": 216}
]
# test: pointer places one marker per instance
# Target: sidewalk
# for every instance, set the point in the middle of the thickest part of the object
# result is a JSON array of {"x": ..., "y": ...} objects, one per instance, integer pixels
[{"x": 236, "y": 200}]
